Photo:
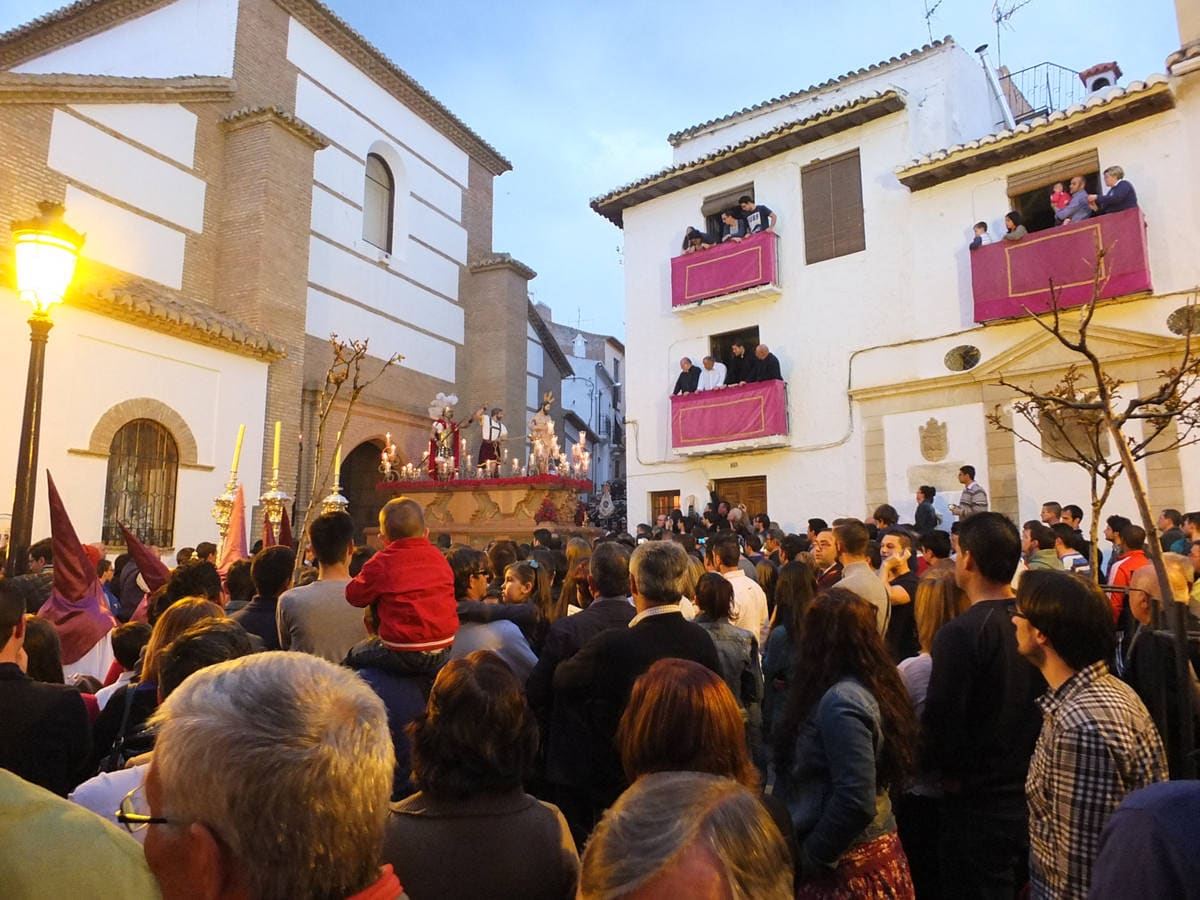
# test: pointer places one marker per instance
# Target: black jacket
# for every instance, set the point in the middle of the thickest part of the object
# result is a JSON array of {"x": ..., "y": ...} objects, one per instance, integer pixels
[
  {"x": 737, "y": 369},
  {"x": 765, "y": 369},
  {"x": 45, "y": 737},
  {"x": 600, "y": 676},
  {"x": 688, "y": 381}
]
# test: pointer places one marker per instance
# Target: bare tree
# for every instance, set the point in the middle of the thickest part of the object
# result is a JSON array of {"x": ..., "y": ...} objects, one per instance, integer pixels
[
  {"x": 1088, "y": 405},
  {"x": 343, "y": 377}
]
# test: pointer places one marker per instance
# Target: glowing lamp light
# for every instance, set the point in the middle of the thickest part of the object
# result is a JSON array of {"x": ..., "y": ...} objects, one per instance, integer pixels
[{"x": 46, "y": 250}]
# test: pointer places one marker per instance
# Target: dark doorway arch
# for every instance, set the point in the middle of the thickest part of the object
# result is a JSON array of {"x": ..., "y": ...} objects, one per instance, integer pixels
[{"x": 360, "y": 474}]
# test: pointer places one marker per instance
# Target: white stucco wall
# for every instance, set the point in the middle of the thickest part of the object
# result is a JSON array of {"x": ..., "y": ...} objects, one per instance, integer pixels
[
  {"x": 94, "y": 363},
  {"x": 946, "y": 88},
  {"x": 188, "y": 37},
  {"x": 411, "y": 294}
]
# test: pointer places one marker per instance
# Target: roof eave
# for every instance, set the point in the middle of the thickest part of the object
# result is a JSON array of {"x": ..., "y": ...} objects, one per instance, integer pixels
[
  {"x": 1044, "y": 136},
  {"x": 748, "y": 152}
]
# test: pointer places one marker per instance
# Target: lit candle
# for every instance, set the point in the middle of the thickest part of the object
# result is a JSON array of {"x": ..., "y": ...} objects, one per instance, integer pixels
[
  {"x": 337, "y": 460},
  {"x": 237, "y": 449},
  {"x": 275, "y": 458}
]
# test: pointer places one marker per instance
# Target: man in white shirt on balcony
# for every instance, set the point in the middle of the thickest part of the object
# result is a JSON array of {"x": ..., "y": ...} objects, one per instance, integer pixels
[{"x": 713, "y": 375}]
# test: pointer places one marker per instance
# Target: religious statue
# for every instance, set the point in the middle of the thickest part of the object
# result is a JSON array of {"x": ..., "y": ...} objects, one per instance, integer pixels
[
  {"x": 494, "y": 437},
  {"x": 442, "y": 460},
  {"x": 542, "y": 440}
]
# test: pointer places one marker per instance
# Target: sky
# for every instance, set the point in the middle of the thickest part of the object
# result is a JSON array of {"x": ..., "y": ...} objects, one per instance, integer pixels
[{"x": 580, "y": 96}]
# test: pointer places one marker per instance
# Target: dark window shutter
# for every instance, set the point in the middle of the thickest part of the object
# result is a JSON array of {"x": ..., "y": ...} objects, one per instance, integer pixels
[{"x": 833, "y": 209}]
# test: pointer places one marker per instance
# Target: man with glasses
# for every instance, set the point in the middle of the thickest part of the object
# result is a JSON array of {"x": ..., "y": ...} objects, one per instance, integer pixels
[
  {"x": 980, "y": 722},
  {"x": 1097, "y": 742},
  {"x": 292, "y": 803}
]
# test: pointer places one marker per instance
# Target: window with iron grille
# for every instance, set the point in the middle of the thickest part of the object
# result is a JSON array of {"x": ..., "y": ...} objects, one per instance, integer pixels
[{"x": 143, "y": 469}]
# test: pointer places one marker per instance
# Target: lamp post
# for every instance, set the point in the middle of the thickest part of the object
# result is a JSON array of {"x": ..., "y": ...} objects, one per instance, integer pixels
[{"x": 46, "y": 251}]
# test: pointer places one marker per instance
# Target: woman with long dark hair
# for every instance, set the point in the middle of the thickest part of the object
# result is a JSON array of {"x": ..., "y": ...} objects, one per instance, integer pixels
[
  {"x": 794, "y": 591},
  {"x": 848, "y": 735}
]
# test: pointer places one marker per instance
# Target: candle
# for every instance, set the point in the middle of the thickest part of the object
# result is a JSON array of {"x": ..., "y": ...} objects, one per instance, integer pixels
[
  {"x": 237, "y": 449},
  {"x": 275, "y": 458},
  {"x": 337, "y": 460}
]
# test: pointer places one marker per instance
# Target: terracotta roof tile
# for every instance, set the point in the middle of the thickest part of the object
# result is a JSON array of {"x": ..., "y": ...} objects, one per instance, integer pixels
[
  {"x": 680, "y": 136},
  {"x": 242, "y": 117}
]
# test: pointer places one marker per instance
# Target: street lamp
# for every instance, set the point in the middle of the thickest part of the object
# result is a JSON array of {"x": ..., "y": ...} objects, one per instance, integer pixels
[{"x": 46, "y": 251}]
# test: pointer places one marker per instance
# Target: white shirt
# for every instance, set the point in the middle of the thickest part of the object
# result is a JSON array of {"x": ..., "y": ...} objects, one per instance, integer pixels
[
  {"x": 749, "y": 609},
  {"x": 655, "y": 611},
  {"x": 493, "y": 430},
  {"x": 711, "y": 378},
  {"x": 104, "y": 793},
  {"x": 105, "y": 693}
]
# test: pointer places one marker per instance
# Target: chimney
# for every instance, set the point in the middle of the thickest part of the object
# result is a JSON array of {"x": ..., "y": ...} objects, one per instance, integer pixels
[
  {"x": 545, "y": 312},
  {"x": 1100, "y": 76},
  {"x": 1187, "y": 17}
]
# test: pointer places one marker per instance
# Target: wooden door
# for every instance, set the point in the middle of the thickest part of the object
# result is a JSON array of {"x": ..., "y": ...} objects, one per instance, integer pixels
[{"x": 751, "y": 491}]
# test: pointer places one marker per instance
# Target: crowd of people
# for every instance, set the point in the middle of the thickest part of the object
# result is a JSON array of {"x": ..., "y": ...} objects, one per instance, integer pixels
[
  {"x": 710, "y": 707},
  {"x": 1076, "y": 205},
  {"x": 737, "y": 224}
]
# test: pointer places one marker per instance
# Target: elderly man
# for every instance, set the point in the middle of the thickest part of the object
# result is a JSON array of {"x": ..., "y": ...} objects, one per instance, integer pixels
[
  {"x": 1097, "y": 744},
  {"x": 1078, "y": 208},
  {"x": 597, "y": 680},
  {"x": 1120, "y": 195},
  {"x": 687, "y": 834},
  {"x": 271, "y": 778},
  {"x": 713, "y": 375},
  {"x": 765, "y": 366},
  {"x": 689, "y": 377}
]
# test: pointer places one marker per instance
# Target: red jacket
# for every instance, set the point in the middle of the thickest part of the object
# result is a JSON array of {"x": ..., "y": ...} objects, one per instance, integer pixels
[
  {"x": 1122, "y": 575},
  {"x": 412, "y": 586}
]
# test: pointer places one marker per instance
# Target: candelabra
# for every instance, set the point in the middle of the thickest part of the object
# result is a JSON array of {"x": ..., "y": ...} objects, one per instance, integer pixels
[
  {"x": 334, "y": 501},
  {"x": 387, "y": 460},
  {"x": 274, "y": 501},
  {"x": 222, "y": 508}
]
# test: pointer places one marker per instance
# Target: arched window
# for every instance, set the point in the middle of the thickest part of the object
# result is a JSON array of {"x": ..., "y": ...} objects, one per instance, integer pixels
[
  {"x": 379, "y": 199},
  {"x": 143, "y": 465}
]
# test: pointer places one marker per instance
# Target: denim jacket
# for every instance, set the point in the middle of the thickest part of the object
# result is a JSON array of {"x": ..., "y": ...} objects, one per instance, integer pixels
[{"x": 830, "y": 788}]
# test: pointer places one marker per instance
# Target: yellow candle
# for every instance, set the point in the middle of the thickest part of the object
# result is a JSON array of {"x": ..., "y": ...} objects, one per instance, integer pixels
[
  {"x": 275, "y": 458},
  {"x": 337, "y": 459},
  {"x": 237, "y": 449}
]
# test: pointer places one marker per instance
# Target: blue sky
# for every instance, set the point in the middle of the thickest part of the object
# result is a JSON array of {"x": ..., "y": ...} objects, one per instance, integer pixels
[{"x": 580, "y": 96}]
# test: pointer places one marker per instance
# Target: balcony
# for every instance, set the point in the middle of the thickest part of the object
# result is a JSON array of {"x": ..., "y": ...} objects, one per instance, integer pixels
[
  {"x": 745, "y": 417},
  {"x": 1011, "y": 278},
  {"x": 727, "y": 273}
]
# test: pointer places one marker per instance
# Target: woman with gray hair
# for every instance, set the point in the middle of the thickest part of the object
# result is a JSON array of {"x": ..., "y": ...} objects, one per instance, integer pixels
[{"x": 687, "y": 834}]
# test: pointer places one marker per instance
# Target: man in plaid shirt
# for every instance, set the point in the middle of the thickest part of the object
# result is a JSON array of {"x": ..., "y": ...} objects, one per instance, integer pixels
[{"x": 1098, "y": 743}]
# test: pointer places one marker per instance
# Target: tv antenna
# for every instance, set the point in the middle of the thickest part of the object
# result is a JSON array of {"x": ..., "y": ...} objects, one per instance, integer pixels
[
  {"x": 1002, "y": 13},
  {"x": 929, "y": 11}
]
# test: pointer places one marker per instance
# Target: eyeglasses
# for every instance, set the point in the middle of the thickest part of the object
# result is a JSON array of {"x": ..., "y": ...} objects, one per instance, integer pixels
[
  {"x": 482, "y": 573},
  {"x": 134, "y": 812}
]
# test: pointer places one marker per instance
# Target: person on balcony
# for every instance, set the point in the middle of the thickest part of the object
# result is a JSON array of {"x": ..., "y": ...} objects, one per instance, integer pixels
[
  {"x": 688, "y": 378},
  {"x": 733, "y": 229},
  {"x": 694, "y": 239},
  {"x": 981, "y": 236},
  {"x": 1078, "y": 209},
  {"x": 737, "y": 370},
  {"x": 1014, "y": 228},
  {"x": 758, "y": 218},
  {"x": 1120, "y": 196},
  {"x": 712, "y": 376},
  {"x": 765, "y": 366}
]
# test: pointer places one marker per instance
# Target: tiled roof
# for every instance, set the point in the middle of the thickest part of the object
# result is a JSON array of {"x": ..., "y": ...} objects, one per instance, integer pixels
[
  {"x": 38, "y": 88},
  {"x": 748, "y": 151},
  {"x": 501, "y": 261},
  {"x": 87, "y": 17},
  {"x": 242, "y": 117},
  {"x": 1183, "y": 55},
  {"x": 680, "y": 136},
  {"x": 159, "y": 309},
  {"x": 1100, "y": 111}
]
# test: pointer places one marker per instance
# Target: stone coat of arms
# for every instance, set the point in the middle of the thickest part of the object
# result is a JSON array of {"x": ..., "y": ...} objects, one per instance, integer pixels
[{"x": 934, "y": 446}]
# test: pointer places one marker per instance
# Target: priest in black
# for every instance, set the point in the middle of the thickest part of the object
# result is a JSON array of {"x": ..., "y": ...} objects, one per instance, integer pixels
[
  {"x": 765, "y": 366},
  {"x": 688, "y": 379}
]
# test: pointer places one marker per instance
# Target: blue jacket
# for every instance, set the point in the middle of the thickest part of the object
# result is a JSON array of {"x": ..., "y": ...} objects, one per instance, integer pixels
[
  {"x": 830, "y": 789},
  {"x": 1122, "y": 196}
]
